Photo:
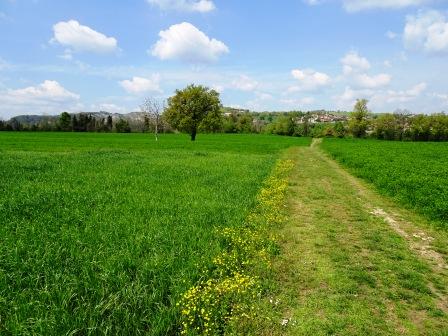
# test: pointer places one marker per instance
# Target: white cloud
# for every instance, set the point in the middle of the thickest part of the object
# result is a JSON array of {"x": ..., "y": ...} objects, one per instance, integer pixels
[
  {"x": 428, "y": 31},
  {"x": 264, "y": 96},
  {"x": 259, "y": 102},
  {"x": 47, "y": 97},
  {"x": 73, "y": 35},
  {"x": 363, "y": 5},
  {"x": 245, "y": 83},
  {"x": 391, "y": 35},
  {"x": 185, "y": 42},
  {"x": 313, "y": 2},
  {"x": 109, "y": 107},
  {"x": 441, "y": 96},
  {"x": 49, "y": 89},
  {"x": 371, "y": 82},
  {"x": 298, "y": 102},
  {"x": 353, "y": 63},
  {"x": 218, "y": 88},
  {"x": 354, "y": 68},
  {"x": 360, "y": 5},
  {"x": 139, "y": 85},
  {"x": 201, "y": 6},
  {"x": 392, "y": 96},
  {"x": 67, "y": 55},
  {"x": 309, "y": 80},
  {"x": 379, "y": 98},
  {"x": 348, "y": 98}
]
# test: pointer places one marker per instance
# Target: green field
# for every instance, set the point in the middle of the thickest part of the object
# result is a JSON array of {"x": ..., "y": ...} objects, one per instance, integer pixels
[
  {"x": 102, "y": 233},
  {"x": 414, "y": 173}
]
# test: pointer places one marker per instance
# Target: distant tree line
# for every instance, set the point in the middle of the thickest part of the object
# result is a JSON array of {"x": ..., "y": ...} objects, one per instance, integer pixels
[
  {"x": 84, "y": 122},
  {"x": 360, "y": 123},
  {"x": 397, "y": 126},
  {"x": 197, "y": 109}
]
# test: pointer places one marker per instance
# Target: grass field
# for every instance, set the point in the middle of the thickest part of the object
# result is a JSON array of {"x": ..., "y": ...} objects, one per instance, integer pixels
[
  {"x": 102, "y": 233},
  {"x": 345, "y": 270},
  {"x": 414, "y": 173}
]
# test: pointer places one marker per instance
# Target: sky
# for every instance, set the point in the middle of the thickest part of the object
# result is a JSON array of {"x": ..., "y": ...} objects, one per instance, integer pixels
[{"x": 264, "y": 55}]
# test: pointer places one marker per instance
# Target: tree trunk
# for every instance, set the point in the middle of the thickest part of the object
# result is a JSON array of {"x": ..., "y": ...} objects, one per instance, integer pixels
[
  {"x": 157, "y": 128},
  {"x": 193, "y": 135}
]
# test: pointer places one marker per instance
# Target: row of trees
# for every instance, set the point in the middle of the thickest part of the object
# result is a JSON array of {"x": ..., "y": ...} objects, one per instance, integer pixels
[
  {"x": 84, "y": 122},
  {"x": 66, "y": 123},
  {"x": 397, "y": 126},
  {"x": 198, "y": 109}
]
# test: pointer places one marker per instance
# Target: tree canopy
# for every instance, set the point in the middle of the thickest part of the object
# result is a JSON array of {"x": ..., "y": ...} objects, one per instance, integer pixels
[
  {"x": 194, "y": 108},
  {"x": 358, "y": 122}
]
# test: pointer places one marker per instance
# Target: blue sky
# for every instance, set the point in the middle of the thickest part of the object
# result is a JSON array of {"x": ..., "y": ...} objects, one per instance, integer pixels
[{"x": 263, "y": 55}]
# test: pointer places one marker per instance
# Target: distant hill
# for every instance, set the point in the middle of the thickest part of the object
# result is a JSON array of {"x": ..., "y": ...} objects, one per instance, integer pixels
[{"x": 36, "y": 119}]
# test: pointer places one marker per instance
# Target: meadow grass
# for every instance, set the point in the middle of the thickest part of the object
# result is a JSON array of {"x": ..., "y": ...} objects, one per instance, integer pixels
[
  {"x": 414, "y": 173},
  {"x": 343, "y": 270},
  {"x": 103, "y": 233}
]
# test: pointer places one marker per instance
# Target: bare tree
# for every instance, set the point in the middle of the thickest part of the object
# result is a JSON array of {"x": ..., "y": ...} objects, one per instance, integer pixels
[{"x": 153, "y": 108}]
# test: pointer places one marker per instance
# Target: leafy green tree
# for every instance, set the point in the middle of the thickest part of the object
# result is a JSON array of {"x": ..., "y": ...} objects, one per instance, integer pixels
[
  {"x": 16, "y": 125},
  {"x": 386, "y": 127},
  {"x": 74, "y": 123},
  {"x": 420, "y": 128},
  {"x": 109, "y": 124},
  {"x": 122, "y": 126},
  {"x": 244, "y": 123},
  {"x": 65, "y": 122},
  {"x": 283, "y": 125},
  {"x": 229, "y": 124},
  {"x": 194, "y": 108},
  {"x": 439, "y": 127},
  {"x": 305, "y": 127},
  {"x": 339, "y": 130},
  {"x": 92, "y": 124},
  {"x": 358, "y": 122}
]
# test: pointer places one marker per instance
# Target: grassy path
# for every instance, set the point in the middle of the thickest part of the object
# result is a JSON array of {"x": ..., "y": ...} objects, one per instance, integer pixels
[{"x": 353, "y": 262}]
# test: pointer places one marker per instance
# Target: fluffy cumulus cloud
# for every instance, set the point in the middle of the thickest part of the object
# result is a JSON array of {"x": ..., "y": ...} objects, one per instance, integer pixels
[
  {"x": 348, "y": 97},
  {"x": 109, "y": 107},
  {"x": 428, "y": 31},
  {"x": 402, "y": 96},
  {"x": 47, "y": 97},
  {"x": 201, "y": 6},
  {"x": 140, "y": 85},
  {"x": 309, "y": 80},
  {"x": 374, "y": 81},
  {"x": 379, "y": 98},
  {"x": 73, "y": 35},
  {"x": 354, "y": 69},
  {"x": 185, "y": 42},
  {"x": 353, "y": 63},
  {"x": 245, "y": 83}
]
